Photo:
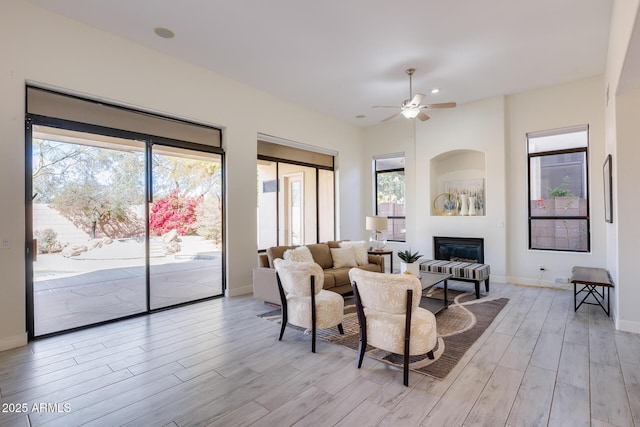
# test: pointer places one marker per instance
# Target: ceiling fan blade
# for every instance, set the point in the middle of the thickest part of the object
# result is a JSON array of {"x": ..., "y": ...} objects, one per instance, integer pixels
[
  {"x": 422, "y": 116},
  {"x": 390, "y": 117},
  {"x": 385, "y": 106},
  {"x": 441, "y": 105},
  {"x": 417, "y": 99}
]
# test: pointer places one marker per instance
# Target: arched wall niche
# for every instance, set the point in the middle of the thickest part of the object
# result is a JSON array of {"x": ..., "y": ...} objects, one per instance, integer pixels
[{"x": 463, "y": 170}]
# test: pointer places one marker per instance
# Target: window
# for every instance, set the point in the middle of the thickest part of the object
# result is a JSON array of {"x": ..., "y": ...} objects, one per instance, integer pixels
[
  {"x": 558, "y": 190},
  {"x": 390, "y": 195}
]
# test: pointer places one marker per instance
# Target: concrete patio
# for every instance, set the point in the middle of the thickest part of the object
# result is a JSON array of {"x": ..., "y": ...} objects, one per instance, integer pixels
[{"x": 109, "y": 282}]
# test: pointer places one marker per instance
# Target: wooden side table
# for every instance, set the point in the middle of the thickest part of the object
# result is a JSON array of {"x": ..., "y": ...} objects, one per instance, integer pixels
[
  {"x": 590, "y": 278},
  {"x": 382, "y": 252}
]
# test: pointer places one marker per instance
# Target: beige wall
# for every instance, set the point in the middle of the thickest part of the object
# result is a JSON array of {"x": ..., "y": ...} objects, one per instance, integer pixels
[{"x": 43, "y": 48}]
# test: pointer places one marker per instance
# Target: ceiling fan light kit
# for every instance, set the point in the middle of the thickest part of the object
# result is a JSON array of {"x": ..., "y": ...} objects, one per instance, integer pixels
[
  {"x": 410, "y": 113},
  {"x": 412, "y": 107}
]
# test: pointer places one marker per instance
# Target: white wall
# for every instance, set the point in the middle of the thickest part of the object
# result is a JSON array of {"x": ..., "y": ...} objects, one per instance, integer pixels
[
  {"x": 44, "y": 48},
  {"x": 627, "y": 208},
  {"x": 497, "y": 127},
  {"x": 392, "y": 137},
  {"x": 476, "y": 126},
  {"x": 621, "y": 118},
  {"x": 575, "y": 103}
]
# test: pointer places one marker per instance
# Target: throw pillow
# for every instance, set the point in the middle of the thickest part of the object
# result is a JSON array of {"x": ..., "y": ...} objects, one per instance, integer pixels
[
  {"x": 299, "y": 254},
  {"x": 343, "y": 257},
  {"x": 360, "y": 250}
]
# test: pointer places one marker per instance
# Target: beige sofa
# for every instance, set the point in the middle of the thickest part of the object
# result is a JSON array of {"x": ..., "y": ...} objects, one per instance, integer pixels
[{"x": 265, "y": 286}]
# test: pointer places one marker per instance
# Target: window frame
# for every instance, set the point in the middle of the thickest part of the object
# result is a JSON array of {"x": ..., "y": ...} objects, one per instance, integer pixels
[
  {"x": 376, "y": 173},
  {"x": 531, "y": 217}
]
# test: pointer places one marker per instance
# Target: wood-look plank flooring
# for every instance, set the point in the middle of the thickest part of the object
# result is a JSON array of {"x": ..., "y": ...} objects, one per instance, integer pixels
[{"x": 216, "y": 363}]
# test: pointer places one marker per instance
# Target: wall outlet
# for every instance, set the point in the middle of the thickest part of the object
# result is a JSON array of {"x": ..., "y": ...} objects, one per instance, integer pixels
[{"x": 5, "y": 243}]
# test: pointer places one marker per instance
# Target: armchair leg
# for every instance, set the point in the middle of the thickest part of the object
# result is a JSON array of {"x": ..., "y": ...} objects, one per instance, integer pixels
[
  {"x": 340, "y": 329},
  {"x": 313, "y": 314},
  {"x": 430, "y": 355},
  {"x": 406, "y": 370},
  {"x": 407, "y": 336},
  {"x": 283, "y": 307},
  {"x": 362, "y": 347},
  {"x": 486, "y": 285},
  {"x": 362, "y": 322}
]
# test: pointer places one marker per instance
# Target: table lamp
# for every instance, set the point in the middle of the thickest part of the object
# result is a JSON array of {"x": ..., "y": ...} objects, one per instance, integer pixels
[{"x": 376, "y": 224}]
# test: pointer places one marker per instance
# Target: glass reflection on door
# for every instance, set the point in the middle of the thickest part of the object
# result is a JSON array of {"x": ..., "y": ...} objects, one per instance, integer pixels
[
  {"x": 88, "y": 229},
  {"x": 185, "y": 226}
]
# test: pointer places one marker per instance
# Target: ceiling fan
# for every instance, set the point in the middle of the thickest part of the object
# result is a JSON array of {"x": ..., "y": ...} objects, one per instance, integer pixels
[{"x": 411, "y": 108}]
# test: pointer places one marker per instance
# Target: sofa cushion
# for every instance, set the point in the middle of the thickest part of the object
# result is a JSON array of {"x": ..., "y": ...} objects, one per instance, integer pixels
[
  {"x": 343, "y": 257},
  {"x": 371, "y": 267},
  {"x": 360, "y": 250},
  {"x": 339, "y": 276},
  {"x": 276, "y": 252},
  {"x": 321, "y": 255},
  {"x": 299, "y": 254}
]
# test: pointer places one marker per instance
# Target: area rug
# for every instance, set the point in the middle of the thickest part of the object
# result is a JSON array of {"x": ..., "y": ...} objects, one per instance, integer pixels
[{"x": 459, "y": 327}]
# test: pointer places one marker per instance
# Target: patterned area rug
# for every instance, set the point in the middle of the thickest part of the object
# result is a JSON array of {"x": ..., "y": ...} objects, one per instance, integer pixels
[{"x": 459, "y": 327}]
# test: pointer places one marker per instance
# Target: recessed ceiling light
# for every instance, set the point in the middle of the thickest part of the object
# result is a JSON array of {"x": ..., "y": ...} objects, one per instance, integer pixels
[
  {"x": 360, "y": 116},
  {"x": 436, "y": 90},
  {"x": 163, "y": 32}
]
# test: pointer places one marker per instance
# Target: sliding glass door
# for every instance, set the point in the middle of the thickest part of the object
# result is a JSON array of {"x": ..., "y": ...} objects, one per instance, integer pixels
[
  {"x": 185, "y": 225},
  {"x": 120, "y": 225},
  {"x": 296, "y": 196},
  {"x": 88, "y": 228}
]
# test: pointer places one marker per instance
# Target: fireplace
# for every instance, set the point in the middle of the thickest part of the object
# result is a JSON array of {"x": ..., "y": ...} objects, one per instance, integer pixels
[{"x": 465, "y": 249}]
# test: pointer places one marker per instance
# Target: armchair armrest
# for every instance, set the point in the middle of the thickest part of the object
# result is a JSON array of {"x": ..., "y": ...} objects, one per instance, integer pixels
[{"x": 377, "y": 259}]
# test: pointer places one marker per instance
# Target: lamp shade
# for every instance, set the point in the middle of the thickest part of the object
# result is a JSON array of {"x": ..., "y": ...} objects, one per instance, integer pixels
[{"x": 376, "y": 223}]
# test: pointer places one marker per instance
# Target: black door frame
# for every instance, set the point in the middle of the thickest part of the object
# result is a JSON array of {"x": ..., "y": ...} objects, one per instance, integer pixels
[{"x": 34, "y": 119}]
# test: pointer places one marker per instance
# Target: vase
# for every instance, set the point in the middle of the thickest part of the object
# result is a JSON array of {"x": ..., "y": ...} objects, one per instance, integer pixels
[
  {"x": 472, "y": 205},
  {"x": 410, "y": 268},
  {"x": 464, "y": 204}
]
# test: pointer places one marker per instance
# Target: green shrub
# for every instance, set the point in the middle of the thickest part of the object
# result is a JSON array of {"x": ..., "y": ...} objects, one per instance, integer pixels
[{"x": 47, "y": 241}]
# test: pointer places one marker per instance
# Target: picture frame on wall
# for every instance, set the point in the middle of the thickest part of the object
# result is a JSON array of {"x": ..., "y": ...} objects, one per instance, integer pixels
[{"x": 608, "y": 190}]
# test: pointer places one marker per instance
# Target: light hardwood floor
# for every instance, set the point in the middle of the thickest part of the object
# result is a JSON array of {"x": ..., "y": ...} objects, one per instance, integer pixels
[{"x": 216, "y": 363}]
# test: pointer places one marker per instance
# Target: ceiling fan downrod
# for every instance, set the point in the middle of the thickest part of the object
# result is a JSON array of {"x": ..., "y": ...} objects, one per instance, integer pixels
[{"x": 410, "y": 72}]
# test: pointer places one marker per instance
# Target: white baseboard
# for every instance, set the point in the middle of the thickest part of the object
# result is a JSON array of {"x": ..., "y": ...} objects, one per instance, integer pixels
[
  {"x": 495, "y": 279},
  {"x": 13, "y": 342},
  {"x": 244, "y": 290},
  {"x": 543, "y": 283},
  {"x": 628, "y": 326}
]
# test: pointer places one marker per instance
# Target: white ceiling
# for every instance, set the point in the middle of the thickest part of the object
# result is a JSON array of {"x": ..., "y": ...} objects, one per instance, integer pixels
[{"x": 340, "y": 57}]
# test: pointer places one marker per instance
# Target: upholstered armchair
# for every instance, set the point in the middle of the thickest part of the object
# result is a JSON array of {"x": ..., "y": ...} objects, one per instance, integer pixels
[
  {"x": 304, "y": 302},
  {"x": 390, "y": 317}
]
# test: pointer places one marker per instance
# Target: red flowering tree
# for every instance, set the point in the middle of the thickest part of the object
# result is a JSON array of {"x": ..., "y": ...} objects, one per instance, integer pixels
[{"x": 174, "y": 212}]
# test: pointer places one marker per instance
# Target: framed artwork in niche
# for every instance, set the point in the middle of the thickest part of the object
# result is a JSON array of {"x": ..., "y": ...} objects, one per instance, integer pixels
[{"x": 469, "y": 193}]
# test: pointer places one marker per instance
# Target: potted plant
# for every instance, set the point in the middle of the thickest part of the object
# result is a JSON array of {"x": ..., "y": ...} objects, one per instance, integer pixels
[{"x": 409, "y": 264}]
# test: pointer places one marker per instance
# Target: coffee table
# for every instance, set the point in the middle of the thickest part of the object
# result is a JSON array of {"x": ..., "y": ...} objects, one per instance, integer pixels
[{"x": 429, "y": 280}]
